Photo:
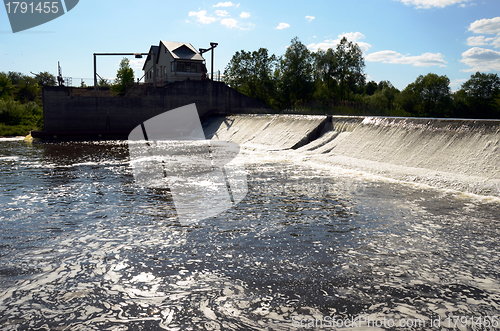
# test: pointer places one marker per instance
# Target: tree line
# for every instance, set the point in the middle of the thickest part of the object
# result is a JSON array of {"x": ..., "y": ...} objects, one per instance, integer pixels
[
  {"x": 333, "y": 81},
  {"x": 21, "y": 102}
]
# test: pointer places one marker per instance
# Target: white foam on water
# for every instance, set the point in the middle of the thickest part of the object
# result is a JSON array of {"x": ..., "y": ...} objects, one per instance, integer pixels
[
  {"x": 12, "y": 138},
  {"x": 460, "y": 155}
]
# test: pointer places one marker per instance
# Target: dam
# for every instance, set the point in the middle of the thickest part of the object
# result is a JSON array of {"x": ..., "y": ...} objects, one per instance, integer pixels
[{"x": 347, "y": 222}]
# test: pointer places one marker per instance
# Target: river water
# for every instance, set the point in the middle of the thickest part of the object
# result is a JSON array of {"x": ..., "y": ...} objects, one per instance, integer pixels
[{"x": 83, "y": 247}]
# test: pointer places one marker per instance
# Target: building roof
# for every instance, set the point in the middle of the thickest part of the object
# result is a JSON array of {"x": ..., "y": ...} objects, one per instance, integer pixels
[
  {"x": 152, "y": 49},
  {"x": 182, "y": 51}
]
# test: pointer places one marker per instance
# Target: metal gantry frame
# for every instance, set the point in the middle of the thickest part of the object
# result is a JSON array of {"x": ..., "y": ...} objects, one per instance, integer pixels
[
  {"x": 203, "y": 50},
  {"x": 137, "y": 56}
]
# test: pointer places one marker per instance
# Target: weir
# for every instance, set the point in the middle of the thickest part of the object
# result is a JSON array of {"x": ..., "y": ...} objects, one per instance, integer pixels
[{"x": 446, "y": 153}]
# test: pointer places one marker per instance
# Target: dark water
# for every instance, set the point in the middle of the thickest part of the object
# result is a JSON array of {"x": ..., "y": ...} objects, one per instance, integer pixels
[{"x": 82, "y": 247}]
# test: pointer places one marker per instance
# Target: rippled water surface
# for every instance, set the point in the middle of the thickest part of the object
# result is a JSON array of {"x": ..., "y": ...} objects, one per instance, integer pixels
[{"x": 82, "y": 247}]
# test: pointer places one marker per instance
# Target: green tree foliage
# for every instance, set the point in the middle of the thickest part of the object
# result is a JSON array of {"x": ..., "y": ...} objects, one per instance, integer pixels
[
  {"x": 27, "y": 89},
  {"x": 124, "y": 76},
  {"x": 15, "y": 77},
  {"x": 15, "y": 113},
  {"x": 45, "y": 79},
  {"x": 382, "y": 100},
  {"x": 295, "y": 75},
  {"x": 333, "y": 81},
  {"x": 251, "y": 73},
  {"x": 6, "y": 86},
  {"x": 481, "y": 95},
  {"x": 20, "y": 109},
  {"x": 371, "y": 88},
  {"x": 428, "y": 96},
  {"x": 350, "y": 66},
  {"x": 324, "y": 71}
]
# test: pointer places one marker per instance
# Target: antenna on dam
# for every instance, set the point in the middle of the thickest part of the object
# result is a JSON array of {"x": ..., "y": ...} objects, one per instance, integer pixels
[{"x": 60, "y": 78}]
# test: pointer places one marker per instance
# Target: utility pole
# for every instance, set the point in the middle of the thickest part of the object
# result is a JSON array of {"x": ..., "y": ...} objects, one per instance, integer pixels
[{"x": 203, "y": 50}]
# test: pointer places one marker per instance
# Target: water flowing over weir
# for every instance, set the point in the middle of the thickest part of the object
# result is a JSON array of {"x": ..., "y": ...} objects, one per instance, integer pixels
[{"x": 447, "y": 153}]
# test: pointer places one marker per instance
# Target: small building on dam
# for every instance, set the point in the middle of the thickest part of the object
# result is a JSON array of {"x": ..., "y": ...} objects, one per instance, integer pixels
[{"x": 175, "y": 62}]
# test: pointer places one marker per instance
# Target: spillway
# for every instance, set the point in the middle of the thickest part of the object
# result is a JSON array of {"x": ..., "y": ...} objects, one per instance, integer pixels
[{"x": 454, "y": 154}]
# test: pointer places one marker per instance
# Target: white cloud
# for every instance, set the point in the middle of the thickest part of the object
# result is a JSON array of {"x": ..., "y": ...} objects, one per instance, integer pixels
[
  {"x": 457, "y": 82},
  {"x": 424, "y": 60},
  {"x": 137, "y": 64},
  {"x": 426, "y": 4},
  {"x": 201, "y": 16},
  {"x": 282, "y": 26},
  {"x": 231, "y": 23},
  {"x": 332, "y": 43},
  {"x": 244, "y": 15},
  {"x": 226, "y": 4},
  {"x": 496, "y": 42},
  {"x": 487, "y": 26},
  {"x": 467, "y": 5},
  {"x": 481, "y": 59},
  {"x": 221, "y": 13},
  {"x": 310, "y": 18},
  {"x": 478, "y": 41}
]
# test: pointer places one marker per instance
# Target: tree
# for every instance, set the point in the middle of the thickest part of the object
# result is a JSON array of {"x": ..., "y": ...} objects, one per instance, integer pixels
[
  {"x": 295, "y": 75},
  {"x": 428, "y": 96},
  {"x": 324, "y": 70},
  {"x": 46, "y": 79},
  {"x": 236, "y": 73},
  {"x": 383, "y": 98},
  {"x": 371, "y": 88},
  {"x": 350, "y": 65},
  {"x": 124, "y": 75},
  {"x": 251, "y": 73},
  {"x": 6, "y": 86},
  {"x": 15, "y": 77},
  {"x": 480, "y": 94},
  {"x": 389, "y": 92},
  {"x": 27, "y": 89}
]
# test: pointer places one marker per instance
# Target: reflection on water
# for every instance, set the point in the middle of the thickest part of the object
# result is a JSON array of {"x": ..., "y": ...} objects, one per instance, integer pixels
[{"x": 82, "y": 247}]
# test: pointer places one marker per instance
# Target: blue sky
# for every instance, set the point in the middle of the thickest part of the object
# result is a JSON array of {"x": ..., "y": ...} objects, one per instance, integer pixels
[{"x": 401, "y": 39}]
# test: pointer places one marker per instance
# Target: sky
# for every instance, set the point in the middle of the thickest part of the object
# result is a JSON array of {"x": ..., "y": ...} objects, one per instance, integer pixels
[{"x": 400, "y": 39}]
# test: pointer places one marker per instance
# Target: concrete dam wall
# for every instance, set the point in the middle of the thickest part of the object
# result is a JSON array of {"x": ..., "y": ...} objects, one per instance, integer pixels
[
  {"x": 452, "y": 154},
  {"x": 75, "y": 113}
]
